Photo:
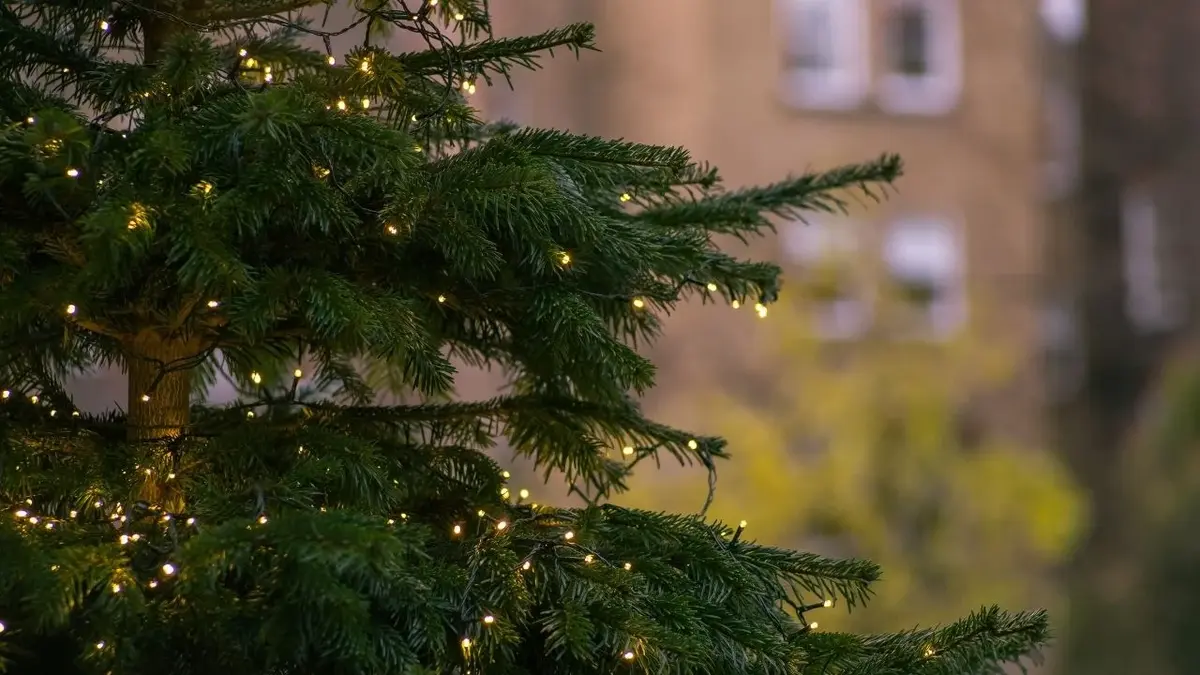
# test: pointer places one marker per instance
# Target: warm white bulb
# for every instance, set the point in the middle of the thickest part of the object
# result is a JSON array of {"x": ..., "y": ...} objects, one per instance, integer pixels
[
  {"x": 33, "y": 520},
  {"x": 2, "y": 627},
  {"x": 22, "y": 513},
  {"x": 628, "y": 566},
  {"x": 489, "y": 619},
  {"x": 366, "y": 103},
  {"x": 735, "y": 304},
  {"x": 331, "y": 60},
  {"x": 242, "y": 53},
  {"x": 441, "y": 298},
  {"x": 466, "y": 643},
  {"x": 100, "y": 644},
  {"x": 693, "y": 445},
  {"x": 502, "y": 525},
  {"x": 458, "y": 16},
  {"x": 34, "y": 399},
  {"x": 297, "y": 373},
  {"x": 168, "y": 569},
  {"x": 506, "y": 474},
  {"x": 73, "y": 172},
  {"x": 153, "y": 583},
  {"x": 628, "y": 656},
  {"x": 639, "y": 303},
  {"x": 524, "y": 493},
  {"x": 341, "y": 105},
  {"x": 568, "y": 535},
  {"x": 526, "y": 565},
  {"x": 145, "y": 398},
  {"x": 365, "y": 66},
  {"x": 742, "y": 524},
  {"x": 813, "y": 625},
  {"x": 256, "y": 378},
  {"x": 104, "y": 26},
  {"x": 827, "y": 603},
  {"x": 5, "y": 394},
  {"x": 458, "y": 529},
  {"x": 213, "y": 304},
  {"x": 711, "y": 287},
  {"x": 262, "y": 520},
  {"x": 191, "y": 521},
  {"x": 588, "y": 558},
  {"x": 116, "y": 588},
  {"x": 124, "y": 539}
]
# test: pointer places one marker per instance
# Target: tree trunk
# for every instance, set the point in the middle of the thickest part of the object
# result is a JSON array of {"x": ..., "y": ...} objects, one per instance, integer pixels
[{"x": 160, "y": 383}]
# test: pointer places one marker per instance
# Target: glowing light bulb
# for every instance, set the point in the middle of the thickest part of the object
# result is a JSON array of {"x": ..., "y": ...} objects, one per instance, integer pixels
[
  {"x": 30, "y": 120},
  {"x": 297, "y": 373},
  {"x": 153, "y": 583},
  {"x": 735, "y": 304},
  {"x": 458, "y": 16},
  {"x": 742, "y": 524},
  {"x": 489, "y": 619},
  {"x": 504, "y": 492},
  {"x": 524, "y": 494},
  {"x": 393, "y": 230},
  {"x": 145, "y": 398},
  {"x": 242, "y": 53},
  {"x": 565, "y": 258},
  {"x": 33, "y": 520},
  {"x": 73, "y": 513},
  {"x": 22, "y": 513},
  {"x": 331, "y": 60},
  {"x": 526, "y": 565},
  {"x": 365, "y": 66},
  {"x": 466, "y": 643},
  {"x": 5, "y": 394},
  {"x": 34, "y": 399},
  {"x": 568, "y": 535},
  {"x": 711, "y": 287},
  {"x": 168, "y": 569},
  {"x": 2, "y": 627},
  {"x": 71, "y": 309},
  {"x": 929, "y": 652},
  {"x": 628, "y": 656},
  {"x": 116, "y": 588},
  {"x": 366, "y": 103},
  {"x": 104, "y": 26},
  {"x": 827, "y": 603},
  {"x": 458, "y": 529},
  {"x": 213, "y": 304},
  {"x": 341, "y": 105},
  {"x": 73, "y": 172},
  {"x": 626, "y": 197},
  {"x": 761, "y": 309},
  {"x": 813, "y": 625},
  {"x": 502, "y": 525},
  {"x": 627, "y": 450},
  {"x": 639, "y": 303},
  {"x": 506, "y": 474},
  {"x": 693, "y": 445},
  {"x": 589, "y": 558},
  {"x": 190, "y": 521},
  {"x": 124, "y": 539},
  {"x": 441, "y": 298},
  {"x": 262, "y": 520},
  {"x": 249, "y": 414},
  {"x": 628, "y": 566},
  {"x": 100, "y": 644}
]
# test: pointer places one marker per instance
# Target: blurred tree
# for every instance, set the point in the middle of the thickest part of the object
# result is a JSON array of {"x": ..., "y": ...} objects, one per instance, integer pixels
[{"x": 883, "y": 447}]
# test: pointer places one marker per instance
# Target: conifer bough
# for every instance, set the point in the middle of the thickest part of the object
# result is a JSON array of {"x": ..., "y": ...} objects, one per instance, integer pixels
[{"x": 195, "y": 185}]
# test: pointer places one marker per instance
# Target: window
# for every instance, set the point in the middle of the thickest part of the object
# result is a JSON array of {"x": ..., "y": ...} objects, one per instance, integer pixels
[
  {"x": 1062, "y": 129},
  {"x": 1149, "y": 302},
  {"x": 826, "y": 59},
  {"x": 923, "y": 259},
  {"x": 827, "y": 254},
  {"x": 923, "y": 57},
  {"x": 1065, "y": 19}
]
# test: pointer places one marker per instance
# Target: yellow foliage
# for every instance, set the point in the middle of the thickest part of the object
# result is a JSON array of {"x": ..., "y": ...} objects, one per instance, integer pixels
[{"x": 857, "y": 450}]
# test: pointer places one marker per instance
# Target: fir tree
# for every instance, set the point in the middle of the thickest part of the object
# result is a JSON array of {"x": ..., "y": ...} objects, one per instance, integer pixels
[{"x": 188, "y": 185}]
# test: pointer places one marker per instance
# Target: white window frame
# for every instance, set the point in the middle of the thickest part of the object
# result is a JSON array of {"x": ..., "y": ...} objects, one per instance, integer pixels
[
  {"x": 1150, "y": 302},
  {"x": 938, "y": 91},
  {"x": 813, "y": 242},
  {"x": 845, "y": 84},
  {"x": 946, "y": 314},
  {"x": 1066, "y": 20}
]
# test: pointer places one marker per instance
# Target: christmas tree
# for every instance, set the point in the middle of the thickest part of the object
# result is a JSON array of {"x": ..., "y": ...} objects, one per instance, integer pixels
[{"x": 191, "y": 187}]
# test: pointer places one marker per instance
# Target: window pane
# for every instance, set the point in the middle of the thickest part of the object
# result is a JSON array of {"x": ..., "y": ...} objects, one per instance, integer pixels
[
  {"x": 910, "y": 40},
  {"x": 814, "y": 38}
]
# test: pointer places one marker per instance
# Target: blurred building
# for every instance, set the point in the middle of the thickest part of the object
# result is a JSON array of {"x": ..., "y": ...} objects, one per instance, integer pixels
[{"x": 959, "y": 88}]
